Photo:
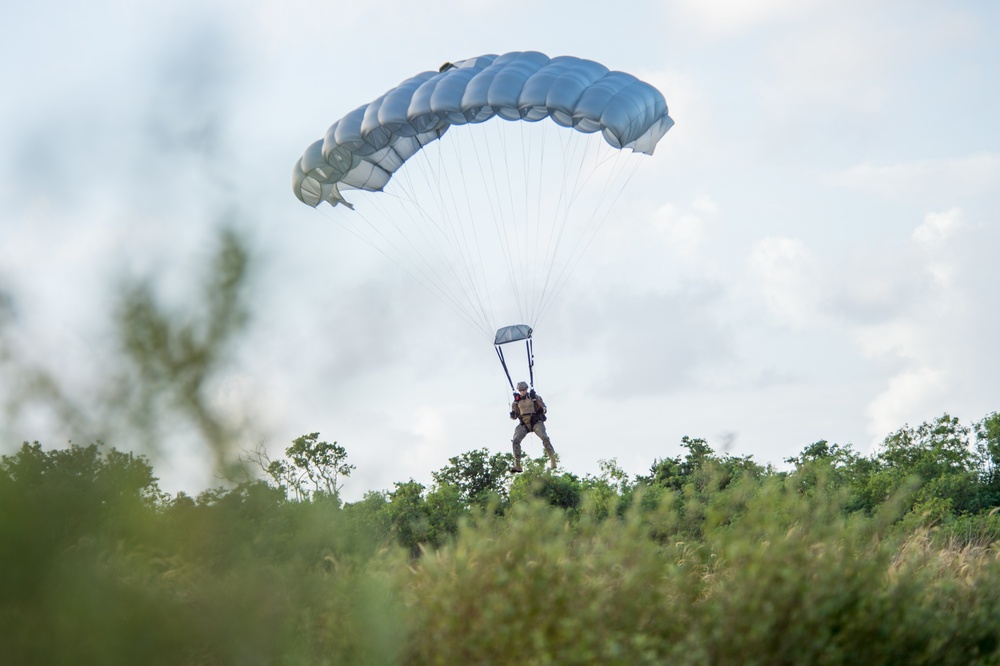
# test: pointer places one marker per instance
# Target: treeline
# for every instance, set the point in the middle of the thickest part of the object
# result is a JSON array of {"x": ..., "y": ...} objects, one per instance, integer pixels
[
  {"x": 941, "y": 475},
  {"x": 709, "y": 558}
]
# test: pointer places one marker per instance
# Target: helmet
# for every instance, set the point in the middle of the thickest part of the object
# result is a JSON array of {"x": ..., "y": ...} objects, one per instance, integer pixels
[{"x": 522, "y": 386}]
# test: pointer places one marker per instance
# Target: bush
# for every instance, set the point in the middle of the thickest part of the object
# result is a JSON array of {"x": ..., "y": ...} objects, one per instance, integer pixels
[{"x": 790, "y": 579}]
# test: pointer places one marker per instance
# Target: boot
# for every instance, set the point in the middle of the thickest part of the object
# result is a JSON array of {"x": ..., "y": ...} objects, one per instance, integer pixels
[
  {"x": 552, "y": 459},
  {"x": 516, "y": 450}
]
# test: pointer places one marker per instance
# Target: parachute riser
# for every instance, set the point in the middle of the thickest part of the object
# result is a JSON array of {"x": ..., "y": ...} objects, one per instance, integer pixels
[
  {"x": 531, "y": 364},
  {"x": 504, "y": 364}
]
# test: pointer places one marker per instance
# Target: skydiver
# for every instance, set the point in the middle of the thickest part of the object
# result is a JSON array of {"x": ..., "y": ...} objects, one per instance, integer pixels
[{"x": 529, "y": 410}]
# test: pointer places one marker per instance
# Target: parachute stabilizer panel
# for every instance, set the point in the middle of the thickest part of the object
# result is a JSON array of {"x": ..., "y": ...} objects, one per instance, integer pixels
[
  {"x": 512, "y": 334},
  {"x": 366, "y": 147}
]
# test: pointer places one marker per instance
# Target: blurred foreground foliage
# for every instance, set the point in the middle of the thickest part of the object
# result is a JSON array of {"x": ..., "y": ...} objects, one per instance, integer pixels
[
  {"x": 709, "y": 563},
  {"x": 710, "y": 558}
]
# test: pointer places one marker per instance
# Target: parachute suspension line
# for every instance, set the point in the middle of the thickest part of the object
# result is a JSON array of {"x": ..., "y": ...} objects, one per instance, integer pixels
[
  {"x": 556, "y": 161},
  {"x": 420, "y": 219},
  {"x": 541, "y": 182},
  {"x": 423, "y": 221},
  {"x": 515, "y": 244},
  {"x": 446, "y": 225},
  {"x": 479, "y": 262},
  {"x": 496, "y": 212},
  {"x": 570, "y": 143},
  {"x": 423, "y": 224},
  {"x": 419, "y": 236},
  {"x": 536, "y": 264},
  {"x": 467, "y": 235},
  {"x": 443, "y": 287},
  {"x": 574, "y": 144},
  {"x": 358, "y": 233},
  {"x": 430, "y": 286},
  {"x": 563, "y": 279},
  {"x": 526, "y": 173},
  {"x": 460, "y": 233},
  {"x": 533, "y": 155},
  {"x": 434, "y": 229},
  {"x": 549, "y": 249}
]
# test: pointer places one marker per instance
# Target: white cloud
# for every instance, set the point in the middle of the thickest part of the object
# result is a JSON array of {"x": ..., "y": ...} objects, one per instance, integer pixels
[
  {"x": 655, "y": 247},
  {"x": 788, "y": 279},
  {"x": 908, "y": 396},
  {"x": 662, "y": 342},
  {"x": 938, "y": 227},
  {"x": 911, "y": 309},
  {"x": 932, "y": 237},
  {"x": 928, "y": 325},
  {"x": 897, "y": 339},
  {"x": 722, "y": 18},
  {"x": 844, "y": 63},
  {"x": 684, "y": 230},
  {"x": 281, "y": 20},
  {"x": 958, "y": 176}
]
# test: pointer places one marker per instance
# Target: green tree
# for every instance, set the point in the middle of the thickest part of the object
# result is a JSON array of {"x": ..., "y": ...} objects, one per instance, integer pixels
[
  {"x": 53, "y": 499},
  {"x": 479, "y": 476},
  {"x": 312, "y": 467},
  {"x": 937, "y": 456},
  {"x": 825, "y": 465},
  {"x": 674, "y": 473},
  {"x": 409, "y": 516},
  {"x": 609, "y": 492},
  {"x": 988, "y": 447},
  {"x": 564, "y": 491},
  {"x": 700, "y": 466},
  {"x": 694, "y": 485}
]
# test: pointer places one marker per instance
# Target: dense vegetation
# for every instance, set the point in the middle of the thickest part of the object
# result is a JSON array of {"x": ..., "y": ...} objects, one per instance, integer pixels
[
  {"x": 845, "y": 558},
  {"x": 888, "y": 558}
]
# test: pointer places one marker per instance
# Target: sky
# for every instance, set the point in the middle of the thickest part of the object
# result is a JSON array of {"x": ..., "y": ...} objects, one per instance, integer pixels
[{"x": 809, "y": 254}]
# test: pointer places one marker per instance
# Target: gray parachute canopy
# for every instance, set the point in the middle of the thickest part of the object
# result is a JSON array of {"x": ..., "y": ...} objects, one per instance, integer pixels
[{"x": 366, "y": 147}]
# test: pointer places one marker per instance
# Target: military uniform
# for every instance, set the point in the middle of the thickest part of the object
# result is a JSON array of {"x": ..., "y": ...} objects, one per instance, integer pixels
[{"x": 529, "y": 411}]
